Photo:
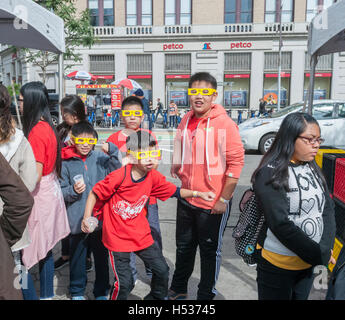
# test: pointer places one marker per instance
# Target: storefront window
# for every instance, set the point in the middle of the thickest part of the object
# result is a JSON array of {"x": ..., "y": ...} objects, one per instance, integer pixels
[
  {"x": 322, "y": 85},
  {"x": 236, "y": 90},
  {"x": 177, "y": 91},
  {"x": 270, "y": 93}
]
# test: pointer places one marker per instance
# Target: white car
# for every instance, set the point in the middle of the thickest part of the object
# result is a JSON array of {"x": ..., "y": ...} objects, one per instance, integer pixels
[{"x": 259, "y": 133}]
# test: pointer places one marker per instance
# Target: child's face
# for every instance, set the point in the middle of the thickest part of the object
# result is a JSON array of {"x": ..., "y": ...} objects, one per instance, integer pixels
[
  {"x": 201, "y": 104},
  {"x": 85, "y": 148},
  {"x": 146, "y": 164},
  {"x": 132, "y": 122}
]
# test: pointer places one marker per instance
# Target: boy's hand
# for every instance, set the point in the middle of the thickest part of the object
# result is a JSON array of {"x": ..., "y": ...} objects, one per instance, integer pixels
[
  {"x": 79, "y": 187},
  {"x": 85, "y": 226},
  {"x": 105, "y": 147},
  {"x": 207, "y": 196},
  {"x": 174, "y": 169}
]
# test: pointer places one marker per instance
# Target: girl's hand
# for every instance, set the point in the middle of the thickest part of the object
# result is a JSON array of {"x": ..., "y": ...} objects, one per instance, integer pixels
[
  {"x": 331, "y": 259},
  {"x": 207, "y": 196}
]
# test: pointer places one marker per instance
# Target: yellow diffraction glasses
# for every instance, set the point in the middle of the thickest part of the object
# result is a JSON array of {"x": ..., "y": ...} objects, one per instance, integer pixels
[
  {"x": 202, "y": 91},
  {"x": 130, "y": 113},
  {"x": 145, "y": 154},
  {"x": 84, "y": 140}
]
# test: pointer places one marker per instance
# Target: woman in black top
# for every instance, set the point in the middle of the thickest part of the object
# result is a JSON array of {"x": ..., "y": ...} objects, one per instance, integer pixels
[{"x": 299, "y": 228}]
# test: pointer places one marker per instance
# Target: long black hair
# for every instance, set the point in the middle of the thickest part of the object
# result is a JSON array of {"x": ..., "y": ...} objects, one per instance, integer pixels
[
  {"x": 36, "y": 108},
  {"x": 283, "y": 148},
  {"x": 73, "y": 105}
]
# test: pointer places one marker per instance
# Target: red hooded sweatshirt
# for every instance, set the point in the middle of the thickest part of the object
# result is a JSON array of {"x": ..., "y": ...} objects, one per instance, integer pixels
[{"x": 209, "y": 154}]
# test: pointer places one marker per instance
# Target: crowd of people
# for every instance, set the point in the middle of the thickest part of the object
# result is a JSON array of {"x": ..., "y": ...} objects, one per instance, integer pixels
[{"x": 54, "y": 181}]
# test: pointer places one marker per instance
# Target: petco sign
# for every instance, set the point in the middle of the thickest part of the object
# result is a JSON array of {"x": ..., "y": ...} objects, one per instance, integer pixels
[
  {"x": 240, "y": 45},
  {"x": 211, "y": 46}
]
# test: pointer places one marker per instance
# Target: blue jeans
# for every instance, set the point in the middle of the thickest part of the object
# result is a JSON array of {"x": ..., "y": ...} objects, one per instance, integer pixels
[
  {"x": 78, "y": 275},
  {"x": 159, "y": 112},
  {"x": 172, "y": 119},
  {"x": 46, "y": 269},
  {"x": 153, "y": 219}
]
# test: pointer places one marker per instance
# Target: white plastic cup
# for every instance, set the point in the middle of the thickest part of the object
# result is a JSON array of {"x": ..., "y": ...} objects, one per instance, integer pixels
[
  {"x": 78, "y": 178},
  {"x": 92, "y": 223}
]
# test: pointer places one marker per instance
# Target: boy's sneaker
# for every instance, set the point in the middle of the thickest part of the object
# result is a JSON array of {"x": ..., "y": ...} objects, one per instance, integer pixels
[
  {"x": 172, "y": 295},
  {"x": 78, "y": 298},
  {"x": 60, "y": 263},
  {"x": 89, "y": 266}
]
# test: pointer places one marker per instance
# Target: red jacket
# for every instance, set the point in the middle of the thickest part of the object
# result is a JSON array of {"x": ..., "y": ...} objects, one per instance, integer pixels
[{"x": 213, "y": 152}]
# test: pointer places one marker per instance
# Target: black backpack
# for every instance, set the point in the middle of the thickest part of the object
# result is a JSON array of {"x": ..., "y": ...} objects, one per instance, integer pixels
[{"x": 248, "y": 227}]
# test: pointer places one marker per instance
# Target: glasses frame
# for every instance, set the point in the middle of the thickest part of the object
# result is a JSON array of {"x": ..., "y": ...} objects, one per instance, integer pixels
[
  {"x": 200, "y": 91},
  {"x": 132, "y": 113},
  {"x": 149, "y": 153},
  {"x": 312, "y": 141},
  {"x": 85, "y": 140}
]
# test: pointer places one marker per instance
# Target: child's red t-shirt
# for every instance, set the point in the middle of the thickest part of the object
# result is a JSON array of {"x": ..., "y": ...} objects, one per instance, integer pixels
[
  {"x": 44, "y": 146},
  {"x": 119, "y": 139},
  {"x": 125, "y": 226}
]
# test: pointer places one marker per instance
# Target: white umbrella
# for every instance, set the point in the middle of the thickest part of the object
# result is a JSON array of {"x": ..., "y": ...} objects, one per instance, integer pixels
[
  {"x": 128, "y": 83},
  {"x": 25, "y": 24},
  {"x": 80, "y": 75}
]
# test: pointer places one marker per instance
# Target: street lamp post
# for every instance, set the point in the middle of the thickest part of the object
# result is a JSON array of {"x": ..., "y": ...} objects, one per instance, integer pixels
[{"x": 280, "y": 56}]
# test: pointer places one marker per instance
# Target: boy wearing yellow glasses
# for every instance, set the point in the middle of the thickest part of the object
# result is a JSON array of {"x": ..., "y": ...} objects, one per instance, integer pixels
[
  {"x": 132, "y": 115},
  {"x": 82, "y": 168},
  {"x": 123, "y": 194}
]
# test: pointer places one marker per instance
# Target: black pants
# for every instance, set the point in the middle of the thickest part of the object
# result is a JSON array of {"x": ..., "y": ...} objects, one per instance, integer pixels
[
  {"x": 198, "y": 227},
  {"x": 279, "y": 284},
  {"x": 153, "y": 259}
]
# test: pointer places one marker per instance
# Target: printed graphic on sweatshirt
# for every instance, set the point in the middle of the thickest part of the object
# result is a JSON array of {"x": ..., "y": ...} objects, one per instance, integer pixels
[
  {"x": 128, "y": 210},
  {"x": 306, "y": 200}
]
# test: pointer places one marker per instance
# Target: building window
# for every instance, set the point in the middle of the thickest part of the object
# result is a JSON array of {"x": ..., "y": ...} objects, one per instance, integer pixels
[
  {"x": 238, "y": 11},
  {"x": 178, "y": 12},
  {"x": 276, "y": 8},
  {"x": 316, "y": 6},
  {"x": 178, "y": 63},
  {"x": 139, "y": 12},
  {"x": 102, "y": 64},
  {"x": 139, "y": 63},
  {"x": 101, "y": 12}
]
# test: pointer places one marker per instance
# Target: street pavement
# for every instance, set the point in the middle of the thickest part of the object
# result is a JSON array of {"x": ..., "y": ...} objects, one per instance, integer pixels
[{"x": 237, "y": 281}]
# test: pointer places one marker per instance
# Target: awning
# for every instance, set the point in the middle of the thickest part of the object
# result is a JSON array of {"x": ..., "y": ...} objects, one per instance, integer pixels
[
  {"x": 275, "y": 75},
  {"x": 237, "y": 76},
  {"x": 177, "y": 76},
  {"x": 25, "y": 24},
  {"x": 106, "y": 77}
]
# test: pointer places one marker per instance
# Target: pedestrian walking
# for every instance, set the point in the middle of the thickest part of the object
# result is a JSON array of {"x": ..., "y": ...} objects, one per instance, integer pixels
[
  {"x": 80, "y": 160},
  {"x": 208, "y": 155},
  {"x": 73, "y": 111},
  {"x": 48, "y": 221},
  {"x": 262, "y": 107},
  {"x": 17, "y": 207},
  {"x": 173, "y": 111},
  {"x": 147, "y": 122},
  {"x": 132, "y": 116},
  {"x": 160, "y": 108},
  {"x": 124, "y": 194},
  {"x": 299, "y": 228}
]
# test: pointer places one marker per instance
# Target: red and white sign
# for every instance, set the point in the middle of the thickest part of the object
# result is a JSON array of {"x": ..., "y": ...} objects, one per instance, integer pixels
[
  {"x": 115, "y": 98},
  {"x": 177, "y": 76},
  {"x": 320, "y": 75},
  {"x": 240, "y": 45},
  {"x": 237, "y": 76},
  {"x": 275, "y": 75},
  {"x": 140, "y": 76}
]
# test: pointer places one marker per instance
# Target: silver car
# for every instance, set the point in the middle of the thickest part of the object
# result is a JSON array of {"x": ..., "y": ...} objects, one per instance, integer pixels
[{"x": 259, "y": 133}]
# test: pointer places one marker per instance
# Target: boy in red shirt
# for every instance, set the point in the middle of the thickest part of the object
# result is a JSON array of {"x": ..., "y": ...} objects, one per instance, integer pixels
[
  {"x": 132, "y": 115},
  {"x": 124, "y": 193}
]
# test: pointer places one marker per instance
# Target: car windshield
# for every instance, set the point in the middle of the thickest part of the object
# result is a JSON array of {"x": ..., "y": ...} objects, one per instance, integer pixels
[{"x": 287, "y": 110}]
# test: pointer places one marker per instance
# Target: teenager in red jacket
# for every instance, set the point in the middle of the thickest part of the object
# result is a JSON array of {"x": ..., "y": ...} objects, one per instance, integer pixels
[{"x": 208, "y": 153}]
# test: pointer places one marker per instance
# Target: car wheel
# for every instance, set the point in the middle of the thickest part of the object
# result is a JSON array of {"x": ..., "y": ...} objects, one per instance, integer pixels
[
  {"x": 55, "y": 120},
  {"x": 266, "y": 142}
]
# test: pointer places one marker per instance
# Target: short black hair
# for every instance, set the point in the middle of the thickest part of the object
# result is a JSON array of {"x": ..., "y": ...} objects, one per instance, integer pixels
[
  {"x": 203, "y": 76},
  {"x": 140, "y": 140},
  {"x": 83, "y": 127},
  {"x": 132, "y": 100}
]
